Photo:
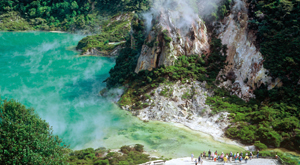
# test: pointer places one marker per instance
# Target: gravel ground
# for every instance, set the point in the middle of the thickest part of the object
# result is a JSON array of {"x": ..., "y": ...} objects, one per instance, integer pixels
[{"x": 187, "y": 161}]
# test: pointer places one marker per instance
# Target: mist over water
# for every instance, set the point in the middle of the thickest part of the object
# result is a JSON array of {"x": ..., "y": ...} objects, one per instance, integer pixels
[
  {"x": 39, "y": 71},
  {"x": 43, "y": 71}
]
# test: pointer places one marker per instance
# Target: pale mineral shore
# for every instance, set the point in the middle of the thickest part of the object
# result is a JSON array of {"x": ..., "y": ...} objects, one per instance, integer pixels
[
  {"x": 57, "y": 32},
  {"x": 187, "y": 161},
  {"x": 184, "y": 104}
]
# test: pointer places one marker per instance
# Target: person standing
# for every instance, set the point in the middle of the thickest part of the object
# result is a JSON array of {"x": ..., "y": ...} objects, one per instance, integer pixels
[
  {"x": 199, "y": 158},
  {"x": 192, "y": 156},
  {"x": 196, "y": 162},
  {"x": 246, "y": 158},
  {"x": 209, "y": 153},
  {"x": 257, "y": 154},
  {"x": 236, "y": 158},
  {"x": 222, "y": 156},
  {"x": 251, "y": 155},
  {"x": 225, "y": 160},
  {"x": 230, "y": 156},
  {"x": 212, "y": 155},
  {"x": 241, "y": 154},
  {"x": 201, "y": 161},
  {"x": 204, "y": 154}
]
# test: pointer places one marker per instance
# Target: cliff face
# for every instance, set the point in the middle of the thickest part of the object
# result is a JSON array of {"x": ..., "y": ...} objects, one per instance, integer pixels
[
  {"x": 244, "y": 59},
  {"x": 168, "y": 40}
]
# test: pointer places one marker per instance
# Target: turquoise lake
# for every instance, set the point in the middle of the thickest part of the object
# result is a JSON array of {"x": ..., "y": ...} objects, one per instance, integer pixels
[{"x": 42, "y": 70}]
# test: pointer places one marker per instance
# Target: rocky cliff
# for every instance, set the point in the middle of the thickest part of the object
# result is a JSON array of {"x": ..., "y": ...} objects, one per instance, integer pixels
[
  {"x": 168, "y": 39},
  {"x": 245, "y": 62}
]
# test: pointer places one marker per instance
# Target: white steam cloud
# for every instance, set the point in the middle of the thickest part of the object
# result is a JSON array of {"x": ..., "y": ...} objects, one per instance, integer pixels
[{"x": 181, "y": 12}]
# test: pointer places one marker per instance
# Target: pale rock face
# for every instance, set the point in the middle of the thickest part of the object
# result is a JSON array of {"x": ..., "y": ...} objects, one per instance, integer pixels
[
  {"x": 187, "y": 40},
  {"x": 96, "y": 52},
  {"x": 184, "y": 104},
  {"x": 244, "y": 59}
]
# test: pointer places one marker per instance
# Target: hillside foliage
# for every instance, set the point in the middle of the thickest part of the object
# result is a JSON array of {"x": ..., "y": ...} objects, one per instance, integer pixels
[
  {"x": 127, "y": 156},
  {"x": 113, "y": 33},
  {"x": 278, "y": 36},
  {"x": 66, "y": 15},
  {"x": 27, "y": 139}
]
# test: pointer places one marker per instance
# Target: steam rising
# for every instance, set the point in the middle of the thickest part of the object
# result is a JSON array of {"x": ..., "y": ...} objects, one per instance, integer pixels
[{"x": 182, "y": 13}]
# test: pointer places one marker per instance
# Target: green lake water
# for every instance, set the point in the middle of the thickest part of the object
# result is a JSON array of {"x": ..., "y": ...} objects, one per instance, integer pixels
[{"x": 43, "y": 71}]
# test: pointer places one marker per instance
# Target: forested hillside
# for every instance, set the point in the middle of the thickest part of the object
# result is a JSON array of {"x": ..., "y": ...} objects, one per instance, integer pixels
[{"x": 66, "y": 15}]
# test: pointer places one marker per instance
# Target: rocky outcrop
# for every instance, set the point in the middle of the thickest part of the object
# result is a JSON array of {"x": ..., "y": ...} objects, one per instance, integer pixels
[
  {"x": 168, "y": 40},
  {"x": 184, "y": 104},
  {"x": 244, "y": 59},
  {"x": 110, "y": 40},
  {"x": 96, "y": 52}
]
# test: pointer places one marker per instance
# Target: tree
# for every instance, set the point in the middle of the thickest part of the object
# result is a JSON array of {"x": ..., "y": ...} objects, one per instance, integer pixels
[{"x": 25, "y": 138}]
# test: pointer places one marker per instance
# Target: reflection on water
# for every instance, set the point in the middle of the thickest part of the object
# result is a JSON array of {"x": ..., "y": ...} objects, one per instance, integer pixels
[{"x": 42, "y": 70}]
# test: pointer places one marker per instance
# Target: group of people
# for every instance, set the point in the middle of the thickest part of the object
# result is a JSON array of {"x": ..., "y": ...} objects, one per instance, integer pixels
[{"x": 228, "y": 157}]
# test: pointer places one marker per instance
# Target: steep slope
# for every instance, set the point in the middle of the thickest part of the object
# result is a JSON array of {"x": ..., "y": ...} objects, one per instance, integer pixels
[
  {"x": 166, "y": 41},
  {"x": 245, "y": 62}
]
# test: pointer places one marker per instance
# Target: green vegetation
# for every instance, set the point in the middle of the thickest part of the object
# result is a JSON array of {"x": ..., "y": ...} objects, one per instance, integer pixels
[
  {"x": 102, "y": 156},
  {"x": 218, "y": 12},
  {"x": 114, "y": 30},
  {"x": 272, "y": 124},
  {"x": 66, "y": 15},
  {"x": 260, "y": 145},
  {"x": 285, "y": 159},
  {"x": 277, "y": 25},
  {"x": 27, "y": 139}
]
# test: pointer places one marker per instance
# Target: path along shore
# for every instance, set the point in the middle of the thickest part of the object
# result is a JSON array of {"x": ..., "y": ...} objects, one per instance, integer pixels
[{"x": 187, "y": 161}]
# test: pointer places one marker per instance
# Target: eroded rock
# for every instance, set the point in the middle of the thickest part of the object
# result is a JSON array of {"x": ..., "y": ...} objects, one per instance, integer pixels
[{"x": 167, "y": 41}]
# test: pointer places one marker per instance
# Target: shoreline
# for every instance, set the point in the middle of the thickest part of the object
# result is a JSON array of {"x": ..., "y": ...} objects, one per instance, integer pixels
[
  {"x": 219, "y": 139},
  {"x": 194, "y": 115},
  {"x": 55, "y": 31}
]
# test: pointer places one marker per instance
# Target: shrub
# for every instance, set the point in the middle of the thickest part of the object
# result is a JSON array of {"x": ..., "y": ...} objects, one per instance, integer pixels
[
  {"x": 102, "y": 162},
  {"x": 260, "y": 145},
  {"x": 139, "y": 148},
  {"x": 126, "y": 149},
  {"x": 25, "y": 138}
]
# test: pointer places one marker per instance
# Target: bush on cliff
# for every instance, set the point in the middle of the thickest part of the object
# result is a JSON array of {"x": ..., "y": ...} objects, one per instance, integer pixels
[{"x": 27, "y": 139}]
